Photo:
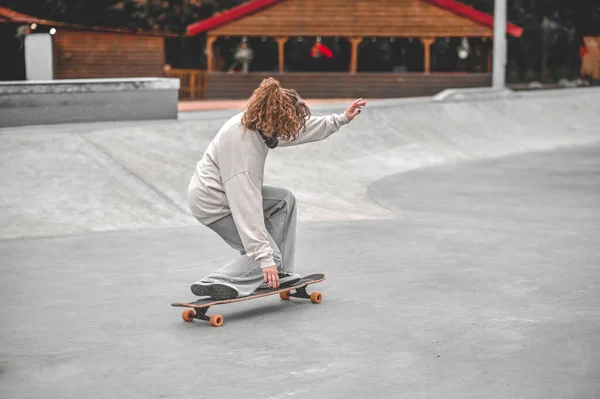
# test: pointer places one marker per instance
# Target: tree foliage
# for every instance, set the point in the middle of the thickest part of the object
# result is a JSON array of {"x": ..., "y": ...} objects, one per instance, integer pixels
[
  {"x": 157, "y": 15},
  {"x": 583, "y": 16}
]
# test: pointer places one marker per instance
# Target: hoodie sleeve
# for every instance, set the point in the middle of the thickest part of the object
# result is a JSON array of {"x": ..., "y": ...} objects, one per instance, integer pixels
[
  {"x": 318, "y": 128},
  {"x": 244, "y": 195}
]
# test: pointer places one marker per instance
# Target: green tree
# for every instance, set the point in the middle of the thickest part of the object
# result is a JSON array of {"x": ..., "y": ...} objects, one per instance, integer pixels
[{"x": 158, "y": 15}]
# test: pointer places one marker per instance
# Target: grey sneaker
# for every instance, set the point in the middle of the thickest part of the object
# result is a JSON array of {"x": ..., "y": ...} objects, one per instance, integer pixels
[
  {"x": 219, "y": 291},
  {"x": 285, "y": 279}
]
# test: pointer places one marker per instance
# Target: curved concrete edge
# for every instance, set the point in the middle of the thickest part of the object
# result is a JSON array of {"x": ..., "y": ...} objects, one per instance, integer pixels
[
  {"x": 455, "y": 182},
  {"x": 469, "y": 95},
  {"x": 475, "y": 94}
]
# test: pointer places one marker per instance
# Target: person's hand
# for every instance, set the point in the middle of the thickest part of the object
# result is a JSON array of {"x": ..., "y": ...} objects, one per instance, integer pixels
[
  {"x": 271, "y": 275},
  {"x": 355, "y": 108}
]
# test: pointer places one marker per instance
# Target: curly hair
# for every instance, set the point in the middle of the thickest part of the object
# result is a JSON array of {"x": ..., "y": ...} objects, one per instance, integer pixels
[{"x": 276, "y": 111}]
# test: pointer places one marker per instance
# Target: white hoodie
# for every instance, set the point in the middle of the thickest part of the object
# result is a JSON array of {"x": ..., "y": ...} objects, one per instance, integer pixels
[{"x": 229, "y": 177}]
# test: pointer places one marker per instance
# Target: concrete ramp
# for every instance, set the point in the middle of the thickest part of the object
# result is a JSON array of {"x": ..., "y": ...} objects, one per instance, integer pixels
[
  {"x": 331, "y": 177},
  {"x": 478, "y": 277},
  {"x": 69, "y": 179}
]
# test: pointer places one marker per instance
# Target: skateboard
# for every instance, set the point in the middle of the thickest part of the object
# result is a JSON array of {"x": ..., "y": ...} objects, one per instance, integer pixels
[{"x": 200, "y": 307}]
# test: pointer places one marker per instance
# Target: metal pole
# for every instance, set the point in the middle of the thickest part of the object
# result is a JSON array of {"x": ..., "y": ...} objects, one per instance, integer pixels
[{"x": 499, "y": 69}]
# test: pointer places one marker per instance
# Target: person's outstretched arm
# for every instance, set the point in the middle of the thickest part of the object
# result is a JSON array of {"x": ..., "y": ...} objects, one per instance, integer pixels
[{"x": 321, "y": 127}]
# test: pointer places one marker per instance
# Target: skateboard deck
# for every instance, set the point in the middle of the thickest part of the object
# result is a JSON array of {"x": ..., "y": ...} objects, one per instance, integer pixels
[{"x": 200, "y": 307}]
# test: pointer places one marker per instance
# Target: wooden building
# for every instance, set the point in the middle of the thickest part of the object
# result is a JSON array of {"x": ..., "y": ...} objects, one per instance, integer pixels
[
  {"x": 83, "y": 52},
  {"x": 423, "y": 21}
]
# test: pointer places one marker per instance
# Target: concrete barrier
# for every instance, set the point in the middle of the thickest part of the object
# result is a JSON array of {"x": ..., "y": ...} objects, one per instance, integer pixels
[{"x": 87, "y": 100}]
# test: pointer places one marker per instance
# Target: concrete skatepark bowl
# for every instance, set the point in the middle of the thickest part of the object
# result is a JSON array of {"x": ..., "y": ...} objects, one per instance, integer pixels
[{"x": 460, "y": 243}]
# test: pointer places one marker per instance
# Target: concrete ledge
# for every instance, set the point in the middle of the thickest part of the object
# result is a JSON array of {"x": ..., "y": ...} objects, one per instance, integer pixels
[
  {"x": 87, "y": 100},
  {"x": 474, "y": 94}
]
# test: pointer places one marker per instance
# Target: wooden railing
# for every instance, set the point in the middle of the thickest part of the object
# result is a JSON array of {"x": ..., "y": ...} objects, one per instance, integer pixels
[
  {"x": 227, "y": 86},
  {"x": 192, "y": 82},
  {"x": 196, "y": 84}
]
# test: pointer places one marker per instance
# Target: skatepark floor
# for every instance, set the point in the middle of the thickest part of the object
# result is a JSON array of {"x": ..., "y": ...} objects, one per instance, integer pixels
[{"x": 468, "y": 271}]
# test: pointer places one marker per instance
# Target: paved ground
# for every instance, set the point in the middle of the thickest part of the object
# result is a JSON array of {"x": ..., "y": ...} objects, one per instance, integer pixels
[{"x": 462, "y": 269}]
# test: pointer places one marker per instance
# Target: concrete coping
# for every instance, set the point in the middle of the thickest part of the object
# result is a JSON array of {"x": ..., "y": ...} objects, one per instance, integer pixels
[
  {"x": 60, "y": 86},
  {"x": 474, "y": 94}
]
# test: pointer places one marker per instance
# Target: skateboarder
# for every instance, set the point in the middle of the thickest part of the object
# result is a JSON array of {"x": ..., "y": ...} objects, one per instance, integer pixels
[{"x": 226, "y": 192}]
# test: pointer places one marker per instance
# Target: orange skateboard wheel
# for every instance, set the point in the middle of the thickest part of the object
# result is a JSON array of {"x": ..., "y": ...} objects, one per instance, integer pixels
[
  {"x": 216, "y": 320},
  {"x": 188, "y": 315},
  {"x": 285, "y": 295},
  {"x": 316, "y": 297}
]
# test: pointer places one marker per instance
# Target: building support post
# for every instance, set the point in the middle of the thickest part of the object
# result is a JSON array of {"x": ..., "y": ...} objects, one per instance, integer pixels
[
  {"x": 354, "y": 42},
  {"x": 210, "y": 40},
  {"x": 281, "y": 52},
  {"x": 490, "y": 59},
  {"x": 427, "y": 42}
]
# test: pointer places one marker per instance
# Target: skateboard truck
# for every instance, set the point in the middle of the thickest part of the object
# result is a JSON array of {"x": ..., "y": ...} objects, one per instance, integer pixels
[
  {"x": 200, "y": 314},
  {"x": 314, "y": 297}
]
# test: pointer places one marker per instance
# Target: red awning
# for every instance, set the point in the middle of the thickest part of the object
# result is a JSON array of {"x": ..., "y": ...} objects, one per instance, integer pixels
[
  {"x": 253, "y": 6},
  {"x": 474, "y": 15},
  {"x": 228, "y": 16}
]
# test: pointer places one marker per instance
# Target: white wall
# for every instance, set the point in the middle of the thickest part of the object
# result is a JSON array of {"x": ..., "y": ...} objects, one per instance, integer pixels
[{"x": 38, "y": 57}]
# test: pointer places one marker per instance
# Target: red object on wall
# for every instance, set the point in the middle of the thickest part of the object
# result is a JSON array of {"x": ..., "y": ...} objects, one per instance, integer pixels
[
  {"x": 253, "y": 6},
  {"x": 321, "y": 49}
]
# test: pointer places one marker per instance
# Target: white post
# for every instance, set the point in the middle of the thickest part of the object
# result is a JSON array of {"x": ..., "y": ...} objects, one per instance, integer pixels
[
  {"x": 499, "y": 69},
  {"x": 39, "y": 57}
]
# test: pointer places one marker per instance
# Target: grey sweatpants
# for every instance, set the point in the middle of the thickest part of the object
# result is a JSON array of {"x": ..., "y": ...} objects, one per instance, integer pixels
[{"x": 279, "y": 207}]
